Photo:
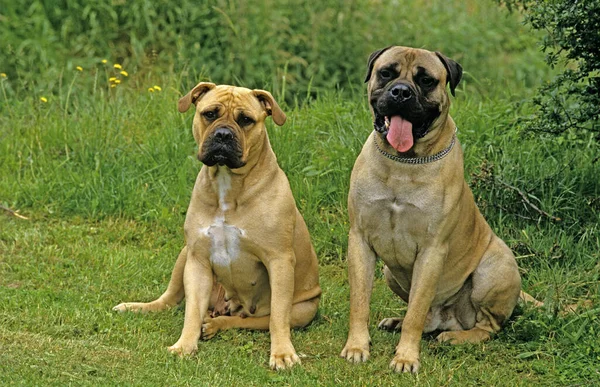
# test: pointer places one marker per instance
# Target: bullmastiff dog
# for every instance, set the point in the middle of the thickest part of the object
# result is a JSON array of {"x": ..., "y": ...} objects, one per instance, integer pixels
[
  {"x": 409, "y": 204},
  {"x": 243, "y": 228}
]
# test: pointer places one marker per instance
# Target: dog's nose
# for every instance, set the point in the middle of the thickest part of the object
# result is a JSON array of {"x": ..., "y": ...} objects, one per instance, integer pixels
[
  {"x": 223, "y": 134},
  {"x": 401, "y": 92}
]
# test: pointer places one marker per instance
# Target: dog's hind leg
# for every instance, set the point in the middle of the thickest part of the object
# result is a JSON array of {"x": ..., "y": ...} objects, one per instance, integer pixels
[
  {"x": 474, "y": 335},
  {"x": 496, "y": 287},
  {"x": 171, "y": 297},
  {"x": 302, "y": 314}
]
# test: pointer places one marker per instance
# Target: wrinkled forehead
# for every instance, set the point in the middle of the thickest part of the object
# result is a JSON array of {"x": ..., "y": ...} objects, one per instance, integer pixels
[
  {"x": 230, "y": 97},
  {"x": 408, "y": 60}
]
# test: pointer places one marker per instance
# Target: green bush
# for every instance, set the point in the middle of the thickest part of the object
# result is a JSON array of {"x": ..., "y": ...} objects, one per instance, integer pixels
[{"x": 572, "y": 99}]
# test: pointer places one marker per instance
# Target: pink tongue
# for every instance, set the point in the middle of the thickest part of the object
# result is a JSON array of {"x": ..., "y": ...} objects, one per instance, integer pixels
[{"x": 400, "y": 134}]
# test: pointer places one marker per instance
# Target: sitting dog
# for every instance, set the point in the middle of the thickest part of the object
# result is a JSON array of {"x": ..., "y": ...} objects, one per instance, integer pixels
[
  {"x": 243, "y": 227},
  {"x": 409, "y": 204}
]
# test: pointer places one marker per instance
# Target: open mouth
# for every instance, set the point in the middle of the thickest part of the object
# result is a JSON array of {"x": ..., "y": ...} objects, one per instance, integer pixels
[
  {"x": 401, "y": 132},
  {"x": 397, "y": 130}
]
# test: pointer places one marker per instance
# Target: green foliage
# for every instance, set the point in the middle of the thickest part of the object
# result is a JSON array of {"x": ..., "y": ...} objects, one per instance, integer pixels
[
  {"x": 564, "y": 336},
  {"x": 296, "y": 49},
  {"x": 572, "y": 100}
]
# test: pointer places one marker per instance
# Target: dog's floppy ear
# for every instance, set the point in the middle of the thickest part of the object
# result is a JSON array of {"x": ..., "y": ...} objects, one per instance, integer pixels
[
  {"x": 271, "y": 106},
  {"x": 453, "y": 69},
  {"x": 198, "y": 91},
  {"x": 371, "y": 62}
]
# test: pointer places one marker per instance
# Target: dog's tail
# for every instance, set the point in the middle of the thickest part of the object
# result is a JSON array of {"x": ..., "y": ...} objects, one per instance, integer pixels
[
  {"x": 528, "y": 299},
  {"x": 566, "y": 309}
]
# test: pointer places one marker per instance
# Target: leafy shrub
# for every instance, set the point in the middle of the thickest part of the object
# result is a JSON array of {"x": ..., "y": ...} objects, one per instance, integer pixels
[{"x": 572, "y": 99}]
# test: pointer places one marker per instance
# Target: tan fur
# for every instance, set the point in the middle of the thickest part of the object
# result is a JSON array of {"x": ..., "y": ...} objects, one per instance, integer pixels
[
  {"x": 440, "y": 254},
  {"x": 268, "y": 266}
]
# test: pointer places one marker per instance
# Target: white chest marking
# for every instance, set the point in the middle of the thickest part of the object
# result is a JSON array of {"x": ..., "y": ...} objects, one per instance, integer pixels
[
  {"x": 225, "y": 242},
  {"x": 397, "y": 207},
  {"x": 223, "y": 185},
  {"x": 225, "y": 238}
]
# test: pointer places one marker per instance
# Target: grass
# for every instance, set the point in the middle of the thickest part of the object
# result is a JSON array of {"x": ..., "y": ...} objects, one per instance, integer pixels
[
  {"x": 62, "y": 277},
  {"x": 104, "y": 176},
  {"x": 106, "y": 192}
]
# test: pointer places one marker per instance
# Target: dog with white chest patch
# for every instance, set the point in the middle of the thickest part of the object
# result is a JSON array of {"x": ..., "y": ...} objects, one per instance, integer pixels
[{"x": 242, "y": 230}]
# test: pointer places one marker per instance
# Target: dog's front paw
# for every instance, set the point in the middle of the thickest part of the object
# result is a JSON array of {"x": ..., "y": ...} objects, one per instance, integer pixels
[
  {"x": 210, "y": 327},
  {"x": 405, "y": 361},
  {"x": 355, "y": 353},
  {"x": 184, "y": 347},
  {"x": 283, "y": 358}
]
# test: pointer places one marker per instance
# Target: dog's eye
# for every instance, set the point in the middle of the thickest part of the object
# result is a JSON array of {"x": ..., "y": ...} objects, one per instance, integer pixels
[
  {"x": 427, "y": 81},
  {"x": 210, "y": 115},
  {"x": 245, "y": 120},
  {"x": 385, "y": 74}
]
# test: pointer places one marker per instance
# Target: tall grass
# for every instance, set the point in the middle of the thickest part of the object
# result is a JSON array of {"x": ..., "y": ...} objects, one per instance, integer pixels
[{"x": 297, "y": 48}]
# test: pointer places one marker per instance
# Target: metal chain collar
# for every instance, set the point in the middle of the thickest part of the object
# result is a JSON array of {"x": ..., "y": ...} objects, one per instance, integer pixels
[{"x": 419, "y": 160}]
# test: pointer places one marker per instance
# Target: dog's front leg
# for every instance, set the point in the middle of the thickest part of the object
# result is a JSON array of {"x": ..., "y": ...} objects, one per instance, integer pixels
[
  {"x": 198, "y": 282},
  {"x": 361, "y": 266},
  {"x": 426, "y": 272},
  {"x": 281, "y": 278}
]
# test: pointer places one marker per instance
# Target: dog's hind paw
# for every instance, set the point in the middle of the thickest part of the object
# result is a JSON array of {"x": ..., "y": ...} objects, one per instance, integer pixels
[
  {"x": 392, "y": 324},
  {"x": 120, "y": 308},
  {"x": 130, "y": 307},
  {"x": 473, "y": 336},
  {"x": 210, "y": 327},
  {"x": 141, "y": 307}
]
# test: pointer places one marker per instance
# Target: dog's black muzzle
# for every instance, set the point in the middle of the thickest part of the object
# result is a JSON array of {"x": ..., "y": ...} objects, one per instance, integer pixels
[
  {"x": 402, "y": 99},
  {"x": 222, "y": 148}
]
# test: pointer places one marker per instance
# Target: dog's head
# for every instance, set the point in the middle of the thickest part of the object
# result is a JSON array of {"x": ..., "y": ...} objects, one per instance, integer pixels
[
  {"x": 229, "y": 121},
  {"x": 407, "y": 93}
]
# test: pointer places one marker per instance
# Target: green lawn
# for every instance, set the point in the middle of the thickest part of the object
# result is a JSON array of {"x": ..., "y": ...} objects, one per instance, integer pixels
[
  {"x": 104, "y": 175},
  {"x": 106, "y": 190},
  {"x": 61, "y": 278}
]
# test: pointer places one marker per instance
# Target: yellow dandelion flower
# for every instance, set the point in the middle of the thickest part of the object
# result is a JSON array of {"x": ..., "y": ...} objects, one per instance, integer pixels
[
  {"x": 113, "y": 85},
  {"x": 157, "y": 88},
  {"x": 43, "y": 99},
  {"x": 124, "y": 73},
  {"x": 117, "y": 66},
  {"x": 3, "y": 75},
  {"x": 112, "y": 79},
  {"x": 117, "y": 81},
  {"x": 79, "y": 68},
  {"x": 151, "y": 90},
  {"x": 104, "y": 61}
]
